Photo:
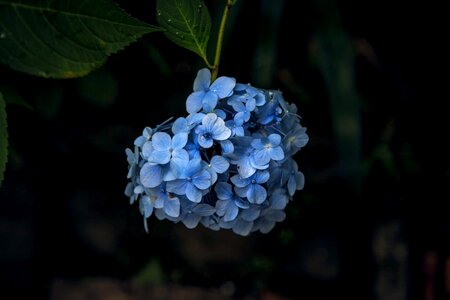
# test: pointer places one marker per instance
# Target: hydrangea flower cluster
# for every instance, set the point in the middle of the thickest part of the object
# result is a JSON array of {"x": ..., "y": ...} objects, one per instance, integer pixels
[{"x": 228, "y": 164}]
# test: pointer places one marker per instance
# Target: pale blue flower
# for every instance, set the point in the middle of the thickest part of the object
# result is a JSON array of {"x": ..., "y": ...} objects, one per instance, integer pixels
[
  {"x": 267, "y": 148},
  {"x": 212, "y": 128},
  {"x": 191, "y": 180},
  {"x": 205, "y": 94},
  {"x": 251, "y": 187}
]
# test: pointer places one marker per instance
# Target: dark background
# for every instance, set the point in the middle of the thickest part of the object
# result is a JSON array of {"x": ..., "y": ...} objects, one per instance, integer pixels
[{"x": 371, "y": 222}]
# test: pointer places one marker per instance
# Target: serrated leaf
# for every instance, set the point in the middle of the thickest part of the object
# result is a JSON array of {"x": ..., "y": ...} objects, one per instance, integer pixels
[
  {"x": 64, "y": 38},
  {"x": 3, "y": 139},
  {"x": 187, "y": 23}
]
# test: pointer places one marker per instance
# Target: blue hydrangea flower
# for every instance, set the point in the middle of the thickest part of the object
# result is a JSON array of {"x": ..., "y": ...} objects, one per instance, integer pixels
[
  {"x": 267, "y": 148},
  {"x": 191, "y": 180},
  {"x": 251, "y": 187},
  {"x": 227, "y": 165},
  {"x": 229, "y": 203},
  {"x": 205, "y": 95},
  {"x": 212, "y": 128}
]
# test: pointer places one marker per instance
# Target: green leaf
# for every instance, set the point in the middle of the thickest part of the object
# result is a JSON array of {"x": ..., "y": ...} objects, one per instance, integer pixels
[
  {"x": 64, "y": 38},
  {"x": 187, "y": 23},
  {"x": 12, "y": 97},
  {"x": 3, "y": 139},
  {"x": 100, "y": 88}
]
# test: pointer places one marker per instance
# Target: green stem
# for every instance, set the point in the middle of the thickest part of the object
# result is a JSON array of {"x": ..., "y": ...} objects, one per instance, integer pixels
[{"x": 226, "y": 13}]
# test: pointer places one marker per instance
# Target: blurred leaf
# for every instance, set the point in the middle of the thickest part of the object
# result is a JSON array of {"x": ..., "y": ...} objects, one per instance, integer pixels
[
  {"x": 187, "y": 23},
  {"x": 11, "y": 96},
  {"x": 64, "y": 39},
  {"x": 159, "y": 60},
  {"x": 3, "y": 139},
  {"x": 152, "y": 273},
  {"x": 48, "y": 101},
  {"x": 99, "y": 88}
]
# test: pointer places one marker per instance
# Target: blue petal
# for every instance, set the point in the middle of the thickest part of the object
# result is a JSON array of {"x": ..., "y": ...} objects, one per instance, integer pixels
[
  {"x": 241, "y": 203},
  {"x": 138, "y": 189},
  {"x": 129, "y": 190},
  {"x": 261, "y": 157},
  {"x": 161, "y": 141},
  {"x": 245, "y": 169},
  {"x": 242, "y": 191},
  {"x": 238, "y": 181},
  {"x": 231, "y": 213},
  {"x": 300, "y": 179},
  {"x": 253, "y": 164},
  {"x": 227, "y": 146},
  {"x": 292, "y": 185},
  {"x": 196, "y": 118},
  {"x": 193, "y": 193},
  {"x": 147, "y": 150},
  {"x": 220, "y": 113},
  {"x": 146, "y": 206},
  {"x": 191, "y": 220},
  {"x": 242, "y": 227},
  {"x": 213, "y": 175},
  {"x": 172, "y": 207},
  {"x": 276, "y": 215},
  {"x": 239, "y": 131},
  {"x": 204, "y": 141},
  {"x": 160, "y": 157},
  {"x": 221, "y": 133},
  {"x": 278, "y": 200},
  {"x": 168, "y": 174},
  {"x": 159, "y": 202},
  {"x": 208, "y": 122},
  {"x": 194, "y": 102},
  {"x": 151, "y": 175},
  {"x": 177, "y": 186},
  {"x": 180, "y": 125},
  {"x": 266, "y": 226},
  {"x": 223, "y": 86},
  {"x": 209, "y": 102},
  {"x": 221, "y": 207},
  {"x": 238, "y": 106},
  {"x": 257, "y": 144},
  {"x": 179, "y": 140},
  {"x": 139, "y": 141},
  {"x": 226, "y": 225},
  {"x": 204, "y": 210},
  {"x": 194, "y": 166},
  {"x": 241, "y": 117},
  {"x": 223, "y": 190},
  {"x": 202, "y": 180},
  {"x": 277, "y": 153},
  {"x": 274, "y": 139},
  {"x": 219, "y": 164},
  {"x": 262, "y": 176},
  {"x": 203, "y": 80},
  {"x": 131, "y": 171},
  {"x": 180, "y": 156},
  {"x": 260, "y": 99},
  {"x": 256, "y": 194},
  {"x": 179, "y": 166},
  {"x": 250, "y": 105},
  {"x": 250, "y": 214}
]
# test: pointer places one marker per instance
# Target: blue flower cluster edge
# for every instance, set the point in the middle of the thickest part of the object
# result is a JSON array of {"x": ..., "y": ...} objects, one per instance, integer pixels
[{"x": 228, "y": 164}]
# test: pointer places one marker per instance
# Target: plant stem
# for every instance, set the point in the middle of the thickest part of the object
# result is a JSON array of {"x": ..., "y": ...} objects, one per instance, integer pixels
[{"x": 226, "y": 13}]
